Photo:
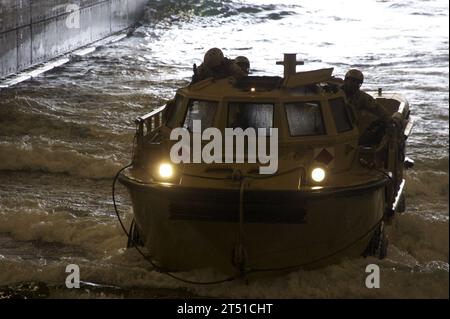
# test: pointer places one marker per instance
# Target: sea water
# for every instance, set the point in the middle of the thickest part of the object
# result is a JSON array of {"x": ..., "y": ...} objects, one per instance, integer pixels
[{"x": 65, "y": 134}]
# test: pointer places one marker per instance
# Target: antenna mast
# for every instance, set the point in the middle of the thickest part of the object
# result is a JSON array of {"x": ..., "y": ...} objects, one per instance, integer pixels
[{"x": 290, "y": 63}]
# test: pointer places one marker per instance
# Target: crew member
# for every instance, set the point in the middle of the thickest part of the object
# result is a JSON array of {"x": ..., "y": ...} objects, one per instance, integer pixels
[
  {"x": 243, "y": 63},
  {"x": 370, "y": 116},
  {"x": 217, "y": 66}
]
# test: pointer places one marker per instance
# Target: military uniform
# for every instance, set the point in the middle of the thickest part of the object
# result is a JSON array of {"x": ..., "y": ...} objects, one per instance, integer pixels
[
  {"x": 370, "y": 116},
  {"x": 226, "y": 69},
  {"x": 362, "y": 103}
]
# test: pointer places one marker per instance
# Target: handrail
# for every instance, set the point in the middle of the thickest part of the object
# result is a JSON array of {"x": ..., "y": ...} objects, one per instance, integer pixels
[
  {"x": 143, "y": 118},
  {"x": 150, "y": 121}
]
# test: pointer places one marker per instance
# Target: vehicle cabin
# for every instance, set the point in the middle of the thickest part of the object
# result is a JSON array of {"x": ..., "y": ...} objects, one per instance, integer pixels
[{"x": 306, "y": 112}]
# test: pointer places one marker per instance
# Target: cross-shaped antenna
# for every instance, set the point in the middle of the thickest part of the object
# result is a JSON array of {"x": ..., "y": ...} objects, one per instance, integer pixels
[{"x": 290, "y": 62}]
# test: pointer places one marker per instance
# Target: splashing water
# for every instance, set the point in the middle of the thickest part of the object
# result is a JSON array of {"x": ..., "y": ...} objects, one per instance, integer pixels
[{"x": 64, "y": 135}]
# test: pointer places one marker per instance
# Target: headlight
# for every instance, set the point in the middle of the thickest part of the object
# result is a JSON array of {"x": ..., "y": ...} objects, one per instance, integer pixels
[
  {"x": 165, "y": 170},
  {"x": 318, "y": 174}
]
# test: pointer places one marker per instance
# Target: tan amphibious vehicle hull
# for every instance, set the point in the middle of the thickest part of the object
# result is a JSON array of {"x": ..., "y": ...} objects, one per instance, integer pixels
[
  {"x": 230, "y": 217},
  {"x": 187, "y": 228}
]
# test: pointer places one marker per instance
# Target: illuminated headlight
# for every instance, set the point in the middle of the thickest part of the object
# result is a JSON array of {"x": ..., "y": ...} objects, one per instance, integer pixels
[
  {"x": 165, "y": 170},
  {"x": 318, "y": 174}
]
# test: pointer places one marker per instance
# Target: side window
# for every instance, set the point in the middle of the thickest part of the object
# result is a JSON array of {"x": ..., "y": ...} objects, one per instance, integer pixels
[
  {"x": 254, "y": 115},
  {"x": 174, "y": 107},
  {"x": 200, "y": 110},
  {"x": 304, "y": 118},
  {"x": 340, "y": 115}
]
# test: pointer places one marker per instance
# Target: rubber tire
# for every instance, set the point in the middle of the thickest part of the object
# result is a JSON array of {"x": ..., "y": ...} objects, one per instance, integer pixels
[
  {"x": 378, "y": 244},
  {"x": 383, "y": 245},
  {"x": 134, "y": 238}
]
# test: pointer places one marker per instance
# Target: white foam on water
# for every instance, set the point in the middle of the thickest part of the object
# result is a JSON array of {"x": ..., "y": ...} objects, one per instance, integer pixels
[
  {"x": 29, "y": 157},
  {"x": 99, "y": 237},
  {"x": 409, "y": 54},
  {"x": 414, "y": 267},
  {"x": 427, "y": 184}
]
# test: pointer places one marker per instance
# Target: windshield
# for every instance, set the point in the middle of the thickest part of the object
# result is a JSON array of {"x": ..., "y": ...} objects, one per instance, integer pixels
[
  {"x": 304, "y": 118},
  {"x": 254, "y": 115},
  {"x": 200, "y": 110}
]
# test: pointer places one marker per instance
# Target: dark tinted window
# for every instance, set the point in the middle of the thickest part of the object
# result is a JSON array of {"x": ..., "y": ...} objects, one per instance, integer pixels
[
  {"x": 255, "y": 115},
  {"x": 340, "y": 115},
  {"x": 305, "y": 118},
  {"x": 200, "y": 110}
]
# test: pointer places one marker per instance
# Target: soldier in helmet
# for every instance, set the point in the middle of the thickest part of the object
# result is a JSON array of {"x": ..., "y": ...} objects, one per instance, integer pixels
[
  {"x": 217, "y": 66},
  {"x": 371, "y": 117},
  {"x": 243, "y": 63}
]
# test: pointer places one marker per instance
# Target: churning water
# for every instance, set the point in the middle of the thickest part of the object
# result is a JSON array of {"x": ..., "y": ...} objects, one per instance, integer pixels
[{"x": 64, "y": 135}]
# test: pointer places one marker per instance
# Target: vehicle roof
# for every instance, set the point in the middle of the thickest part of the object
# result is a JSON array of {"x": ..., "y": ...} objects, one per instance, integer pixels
[{"x": 301, "y": 84}]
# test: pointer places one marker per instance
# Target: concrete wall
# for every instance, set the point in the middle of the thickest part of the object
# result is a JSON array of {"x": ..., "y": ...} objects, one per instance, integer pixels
[{"x": 34, "y": 31}]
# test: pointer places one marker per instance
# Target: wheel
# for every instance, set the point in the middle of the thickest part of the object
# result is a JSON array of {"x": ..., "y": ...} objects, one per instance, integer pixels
[
  {"x": 382, "y": 246},
  {"x": 134, "y": 239},
  {"x": 378, "y": 244}
]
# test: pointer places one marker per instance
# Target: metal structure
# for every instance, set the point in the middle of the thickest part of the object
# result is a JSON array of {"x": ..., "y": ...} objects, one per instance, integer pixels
[{"x": 35, "y": 31}]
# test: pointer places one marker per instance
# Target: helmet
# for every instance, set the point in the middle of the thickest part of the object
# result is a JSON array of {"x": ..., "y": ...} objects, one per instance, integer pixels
[
  {"x": 355, "y": 74},
  {"x": 242, "y": 60},
  {"x": 243, "y": 63},
  {"x": 213, "y": 57}
]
